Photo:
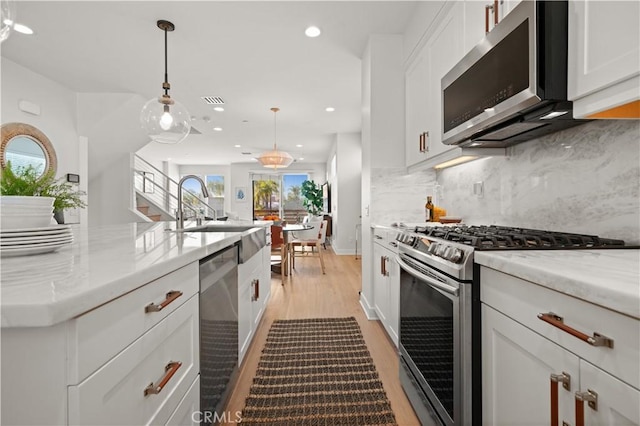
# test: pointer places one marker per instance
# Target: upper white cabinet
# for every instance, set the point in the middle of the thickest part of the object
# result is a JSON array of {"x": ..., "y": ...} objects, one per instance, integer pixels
[
  {"x": 604, "y": 58},
  {"x": 417, "y": 109},
  {"x": 457, "y": 28}
]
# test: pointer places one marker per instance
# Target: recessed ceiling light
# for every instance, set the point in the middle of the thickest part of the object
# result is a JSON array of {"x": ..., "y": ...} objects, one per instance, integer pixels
[
  {"x": 22, "y": 29},
  {"x": 219, "y": 109},
  {"x": 312, "y": 31},
  {"x": 329, "y": 109},
  {"x": 217, "y": 129},
  {"x": 301, "y": 158},
  {"x": 236, "y": 146},
  {"x": 299, "y": 146}
]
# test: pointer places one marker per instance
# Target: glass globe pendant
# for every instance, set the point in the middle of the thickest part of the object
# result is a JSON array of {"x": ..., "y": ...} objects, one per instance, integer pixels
[
  {"x": 7, "y": 18},
  {"x": 164, "y": 119}
]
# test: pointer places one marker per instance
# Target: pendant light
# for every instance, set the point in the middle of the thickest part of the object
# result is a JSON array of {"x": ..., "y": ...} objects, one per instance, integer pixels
[
  {"x": 164, "y": 119},
  {"x": 7, "y": 18},
  {"x": 275, "y": 159}
]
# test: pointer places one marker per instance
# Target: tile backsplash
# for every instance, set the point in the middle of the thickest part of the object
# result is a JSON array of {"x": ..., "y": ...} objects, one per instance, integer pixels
[{"x": 585, "y": 180}]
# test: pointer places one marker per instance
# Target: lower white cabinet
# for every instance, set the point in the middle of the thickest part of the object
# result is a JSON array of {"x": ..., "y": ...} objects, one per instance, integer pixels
[
  {"x": 94, "y": 369},
  {"x": 386, "y": 283},
  {"x": 253, "y": 293},
  {"x": 535, "y": 373},
  {"x": 145, "y": 382},
  {"x": 516, "y": 367},
  {"x": 188, "y": 411}
]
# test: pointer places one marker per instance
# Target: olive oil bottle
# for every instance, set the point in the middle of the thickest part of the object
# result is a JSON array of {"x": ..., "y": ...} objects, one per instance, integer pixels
[{"x": 428, "y": 209}]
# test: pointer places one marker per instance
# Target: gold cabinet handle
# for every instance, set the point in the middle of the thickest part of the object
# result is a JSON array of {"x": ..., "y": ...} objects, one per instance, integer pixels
[
  {"x": 170, "y": 297},
  {"x": 557, "y": 321},
  {"x": 169, "y": 371}
]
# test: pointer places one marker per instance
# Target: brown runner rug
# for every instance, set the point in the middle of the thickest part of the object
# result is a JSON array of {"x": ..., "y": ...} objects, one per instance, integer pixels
[{"x": 317, "y": 372}]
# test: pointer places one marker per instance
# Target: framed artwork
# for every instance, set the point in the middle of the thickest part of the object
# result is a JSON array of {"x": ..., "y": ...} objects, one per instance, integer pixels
[
  {"x": 241, "y": 194},
  {"x": 147, "y": 182}
]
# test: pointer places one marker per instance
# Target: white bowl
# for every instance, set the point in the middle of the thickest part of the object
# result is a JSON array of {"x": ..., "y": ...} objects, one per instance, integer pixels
[
  {"x": 24, "y": 221},
  {"x": 32, "y": 201}
]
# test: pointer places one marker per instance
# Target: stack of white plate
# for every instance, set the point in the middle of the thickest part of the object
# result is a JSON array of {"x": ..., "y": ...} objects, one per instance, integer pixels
[
  {"x": 26, "y": 241},
  {"x": 25, "y": 212}
]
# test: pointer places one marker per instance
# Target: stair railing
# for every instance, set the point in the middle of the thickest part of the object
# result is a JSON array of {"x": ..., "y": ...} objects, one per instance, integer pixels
[{"x": 162, "y": 191}]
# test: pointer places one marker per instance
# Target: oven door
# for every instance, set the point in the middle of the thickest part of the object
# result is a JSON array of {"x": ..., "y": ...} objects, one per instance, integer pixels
[{"x": 430, "y": 335}]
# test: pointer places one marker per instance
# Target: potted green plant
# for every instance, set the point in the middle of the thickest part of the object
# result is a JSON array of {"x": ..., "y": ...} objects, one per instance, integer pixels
[
  {"x": 311, "y": 197},
  {"x": 27, "y": 181}
]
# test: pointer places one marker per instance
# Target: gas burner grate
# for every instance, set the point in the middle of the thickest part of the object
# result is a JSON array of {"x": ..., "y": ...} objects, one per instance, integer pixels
[{"x": 504, "y": 237}]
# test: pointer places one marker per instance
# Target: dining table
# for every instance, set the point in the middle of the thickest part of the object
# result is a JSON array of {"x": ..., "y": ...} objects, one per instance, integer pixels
[{"x": 285, "y": 253}]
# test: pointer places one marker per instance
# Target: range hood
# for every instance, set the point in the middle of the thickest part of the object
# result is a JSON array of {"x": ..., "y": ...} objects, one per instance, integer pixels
[{"x": 512, "y": 86}]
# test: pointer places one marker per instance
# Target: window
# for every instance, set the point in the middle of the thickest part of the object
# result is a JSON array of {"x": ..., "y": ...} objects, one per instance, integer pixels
[
  {"x": 278, "y": 195},
  {"x": 196, "y": 204}
]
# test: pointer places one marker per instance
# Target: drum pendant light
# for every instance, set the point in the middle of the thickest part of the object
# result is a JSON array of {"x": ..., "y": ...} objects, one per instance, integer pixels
[
  {"x": 275, "y": 159},
  {"x": 164, "y": 119}
]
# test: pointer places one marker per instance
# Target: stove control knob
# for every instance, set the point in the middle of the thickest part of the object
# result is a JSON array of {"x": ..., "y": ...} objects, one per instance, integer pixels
[
  {"x": 456, "y": 256},
  {"x": 433, "y": 248},
  {"x": 441, "y": 249},
  {"x": 448, "y": 252}
]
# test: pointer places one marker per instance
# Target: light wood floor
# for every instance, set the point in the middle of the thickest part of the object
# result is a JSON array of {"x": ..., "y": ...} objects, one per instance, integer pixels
[{"x": 309, "y": 294}]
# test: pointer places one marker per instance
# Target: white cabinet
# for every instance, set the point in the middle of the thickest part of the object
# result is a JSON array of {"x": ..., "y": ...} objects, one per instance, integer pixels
[
  {"x": 604, "y": 59},
  {"x": 386, "y": 283},
  {"x": 188, "y": 411},
  {"x": 458, "y": 27},
  {"x": 94, "y": 369},
  {"x": 524, "y": 357},
  {"x": 253, "y": 294},
  {"x": 516, "y": 368},
  {"x": 146, "y": 381}
]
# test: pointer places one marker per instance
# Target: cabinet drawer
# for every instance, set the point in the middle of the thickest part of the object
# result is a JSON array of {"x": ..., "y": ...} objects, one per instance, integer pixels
[
  {"x": 116, "y": 392},
  {"x": 523, "y": 301},
  {"x": 188, "y": 411},
  {"x": 97, "y": 336}
]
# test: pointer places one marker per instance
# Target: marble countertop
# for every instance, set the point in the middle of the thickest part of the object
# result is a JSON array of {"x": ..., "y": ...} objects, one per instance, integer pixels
[
  {"x": 102, "y": 263},
  {"x": 609, "y": 278}
]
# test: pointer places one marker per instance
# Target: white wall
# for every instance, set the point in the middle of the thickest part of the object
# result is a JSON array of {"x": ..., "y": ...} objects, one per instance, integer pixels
[
  {"x": 110, "y": 121},
  {"x": 57, "y": 119},
  {"x": 346, "y": 212}
]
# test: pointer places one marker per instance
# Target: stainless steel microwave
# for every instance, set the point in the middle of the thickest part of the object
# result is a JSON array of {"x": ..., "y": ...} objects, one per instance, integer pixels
[{"x": 512, "y": 86}]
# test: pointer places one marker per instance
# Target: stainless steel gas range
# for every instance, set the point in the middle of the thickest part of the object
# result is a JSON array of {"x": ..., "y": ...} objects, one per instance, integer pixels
[{"x": 440, "y": 347}]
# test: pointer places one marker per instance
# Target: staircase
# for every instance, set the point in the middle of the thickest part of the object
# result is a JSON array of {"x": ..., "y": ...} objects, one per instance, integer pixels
[
  {"x": 145, "y": 211},
  {"x": 156, "y": 195}
]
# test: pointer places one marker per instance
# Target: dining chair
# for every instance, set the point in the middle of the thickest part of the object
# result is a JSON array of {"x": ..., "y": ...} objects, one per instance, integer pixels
[
  {"x": 278, "y": 250},
  {"x": 314, "y": 244}
]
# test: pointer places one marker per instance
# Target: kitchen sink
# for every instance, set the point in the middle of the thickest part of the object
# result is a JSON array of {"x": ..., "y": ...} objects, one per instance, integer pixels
[
  {"x": 217, "y": 228},
  {"x": 253, "y": 238}
]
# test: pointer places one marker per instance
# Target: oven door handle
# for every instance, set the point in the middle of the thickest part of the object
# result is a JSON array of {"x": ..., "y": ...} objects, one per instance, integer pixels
[{"x": 430, "y": 281}]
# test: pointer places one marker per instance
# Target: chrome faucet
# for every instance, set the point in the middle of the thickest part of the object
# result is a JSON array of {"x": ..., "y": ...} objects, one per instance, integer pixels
[{"x": 205, "y": 193}]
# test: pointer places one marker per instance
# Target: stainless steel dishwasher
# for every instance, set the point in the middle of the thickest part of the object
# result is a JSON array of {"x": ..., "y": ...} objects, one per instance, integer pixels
[{"x": 218, "y": 331}]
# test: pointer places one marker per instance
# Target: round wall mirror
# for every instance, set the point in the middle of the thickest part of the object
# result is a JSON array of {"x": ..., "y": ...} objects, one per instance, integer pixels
[{"x": 24, "y": 145}]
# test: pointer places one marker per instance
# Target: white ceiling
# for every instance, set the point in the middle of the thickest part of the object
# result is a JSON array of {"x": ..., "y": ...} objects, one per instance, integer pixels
[{"x": 252, "y": 54}]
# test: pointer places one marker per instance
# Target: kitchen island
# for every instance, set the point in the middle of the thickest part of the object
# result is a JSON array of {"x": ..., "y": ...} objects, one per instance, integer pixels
[{"x": 107, "y": 329}]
